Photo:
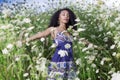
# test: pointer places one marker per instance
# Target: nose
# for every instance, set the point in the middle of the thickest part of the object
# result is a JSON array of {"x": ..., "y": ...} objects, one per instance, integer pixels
[{"x": 66, "y": 16}]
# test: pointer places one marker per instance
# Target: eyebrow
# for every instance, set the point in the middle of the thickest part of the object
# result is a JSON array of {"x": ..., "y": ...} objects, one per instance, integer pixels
[{"x": 66, "y": 13}]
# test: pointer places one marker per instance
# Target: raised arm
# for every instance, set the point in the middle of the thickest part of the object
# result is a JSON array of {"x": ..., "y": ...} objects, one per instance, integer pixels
[{"x": 40, "y": 34}]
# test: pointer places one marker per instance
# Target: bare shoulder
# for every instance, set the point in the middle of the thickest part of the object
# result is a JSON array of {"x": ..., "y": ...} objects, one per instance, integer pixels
[{"x": 52, "y": 29}]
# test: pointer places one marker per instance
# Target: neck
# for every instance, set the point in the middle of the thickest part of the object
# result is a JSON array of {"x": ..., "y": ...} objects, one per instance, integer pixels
[{"x": 62, "y": 26}]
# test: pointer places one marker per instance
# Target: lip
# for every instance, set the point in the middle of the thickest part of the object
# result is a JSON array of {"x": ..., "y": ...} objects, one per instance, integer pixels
[{"x": 66, "y": 19}]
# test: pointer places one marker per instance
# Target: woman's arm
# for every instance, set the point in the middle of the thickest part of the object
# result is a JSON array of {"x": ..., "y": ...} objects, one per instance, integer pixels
[{"x": 40, "y": 34}]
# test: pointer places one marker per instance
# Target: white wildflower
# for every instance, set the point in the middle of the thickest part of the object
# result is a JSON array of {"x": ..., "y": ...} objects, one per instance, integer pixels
[
  {"x": 53, "y": 45},
  {"x": 100, "y": 28},
  {"x": 102, "y": 62},
  {"x": 59, "y": 79},
  {"x": 5, "y": 51},
  {"x": 27, "y": 43},
  {"x": 6, "y": 12},
  {"x": 62, "y": 53},
  {"x": 10, "y": 46},
  {"x": 112, "y": 24},
  {"x": 118, "y": 44},
  {"x": 38, "y": 62},
  {"x": 33, "y": 47},
  {"x": 114, "y": 53},
  {"x": 77, "y": 20},
  {"x": 26, "y": 20},
  {"x": 27, "y": 79},
  {"x": 17, "y": 58},
  {"x": 117, "y": 55},
  {"x": 40, "y": 67},
  {"x": 69, "y": 28},
  {"x": 112, "y": 47},
  {"x": 40, "y": 54},
  {"x": 75, "y": 38},
  {"x": 87, "y": 68},
  {"x": 52, "y": 74},
  {"x": 90, "y": 46},
  {"x": 109, "y": 33},
  {"x": 111, "y": 71},
  {"x": 75, "y": 33},
  {"x": 116, "y": 76},
  {"x": 67, "y": 46},
  {"x": 41, "y": 64},
  {"x": 91, "y": 58},
  {"x": 77, "y": 72},
  {"x": 37, "y": 67},
  {"x": 19, "y": 43},
  {"x": 77, "y": 78},
  {"x": 78, "y": 61},
  {"x": 9, "y": 26},
  {"x": 42, "y": 39},
  {"x": 93, "y": 65},
  {"x": 92, "y": 36},
  {"x": 105, "y": 39},
  {"x": 97, "y": 71},
  {"x": 58, "y": 73},
  {"x": 25, "y": 74},
  {"x": 106, "y": 59},
  {"x": 89, "y": 79},
  {"x": 44, "y": 73},
  {"x": 84, "y": 49},
  {"x": 81, "y": 39},
  {"x": 26, "y": 34},
  {"x": 6, "y": 26},
  {"x": 30, "y": 28},
  {"x": 80, "y": 29}
]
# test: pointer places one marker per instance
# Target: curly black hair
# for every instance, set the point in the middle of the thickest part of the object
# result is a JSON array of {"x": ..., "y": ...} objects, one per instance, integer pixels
[{"x": 55, "y": 16}]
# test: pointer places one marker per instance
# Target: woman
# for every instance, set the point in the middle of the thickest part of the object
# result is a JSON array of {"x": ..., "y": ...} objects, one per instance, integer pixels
[{"x": 62, "y": 65}]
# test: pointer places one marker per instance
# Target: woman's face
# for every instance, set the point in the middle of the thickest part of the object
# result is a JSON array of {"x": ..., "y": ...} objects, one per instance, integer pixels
[{"x": 64, "y": 17}]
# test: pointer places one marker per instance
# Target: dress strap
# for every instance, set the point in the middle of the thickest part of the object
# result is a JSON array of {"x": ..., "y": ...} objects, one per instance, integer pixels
[
  {"x": 53, "y": 29},
  {"x": 53, "y": 32},
  {"x": 63, "y": 31}
]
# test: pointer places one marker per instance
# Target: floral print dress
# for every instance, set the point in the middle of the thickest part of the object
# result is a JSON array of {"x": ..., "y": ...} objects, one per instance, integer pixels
[{"x": 62, "y": 66}]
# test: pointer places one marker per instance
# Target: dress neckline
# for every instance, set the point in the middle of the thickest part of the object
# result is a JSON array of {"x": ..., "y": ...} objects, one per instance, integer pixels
[{"x": 62, "y": 33}]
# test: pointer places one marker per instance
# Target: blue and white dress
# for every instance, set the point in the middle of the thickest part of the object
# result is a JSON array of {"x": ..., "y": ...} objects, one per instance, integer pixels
[{"x": 62, "y": 65}]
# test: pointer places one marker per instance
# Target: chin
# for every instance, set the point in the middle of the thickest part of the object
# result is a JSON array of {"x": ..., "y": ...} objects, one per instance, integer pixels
[{"x": 65, "y": 22}]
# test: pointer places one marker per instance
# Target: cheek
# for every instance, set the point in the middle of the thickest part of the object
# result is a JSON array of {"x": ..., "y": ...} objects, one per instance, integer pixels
[{"x": 61, "y": 18}]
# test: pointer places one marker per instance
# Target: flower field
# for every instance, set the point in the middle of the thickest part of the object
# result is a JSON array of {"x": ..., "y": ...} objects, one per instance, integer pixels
[{"x": 96, "y": 44}]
